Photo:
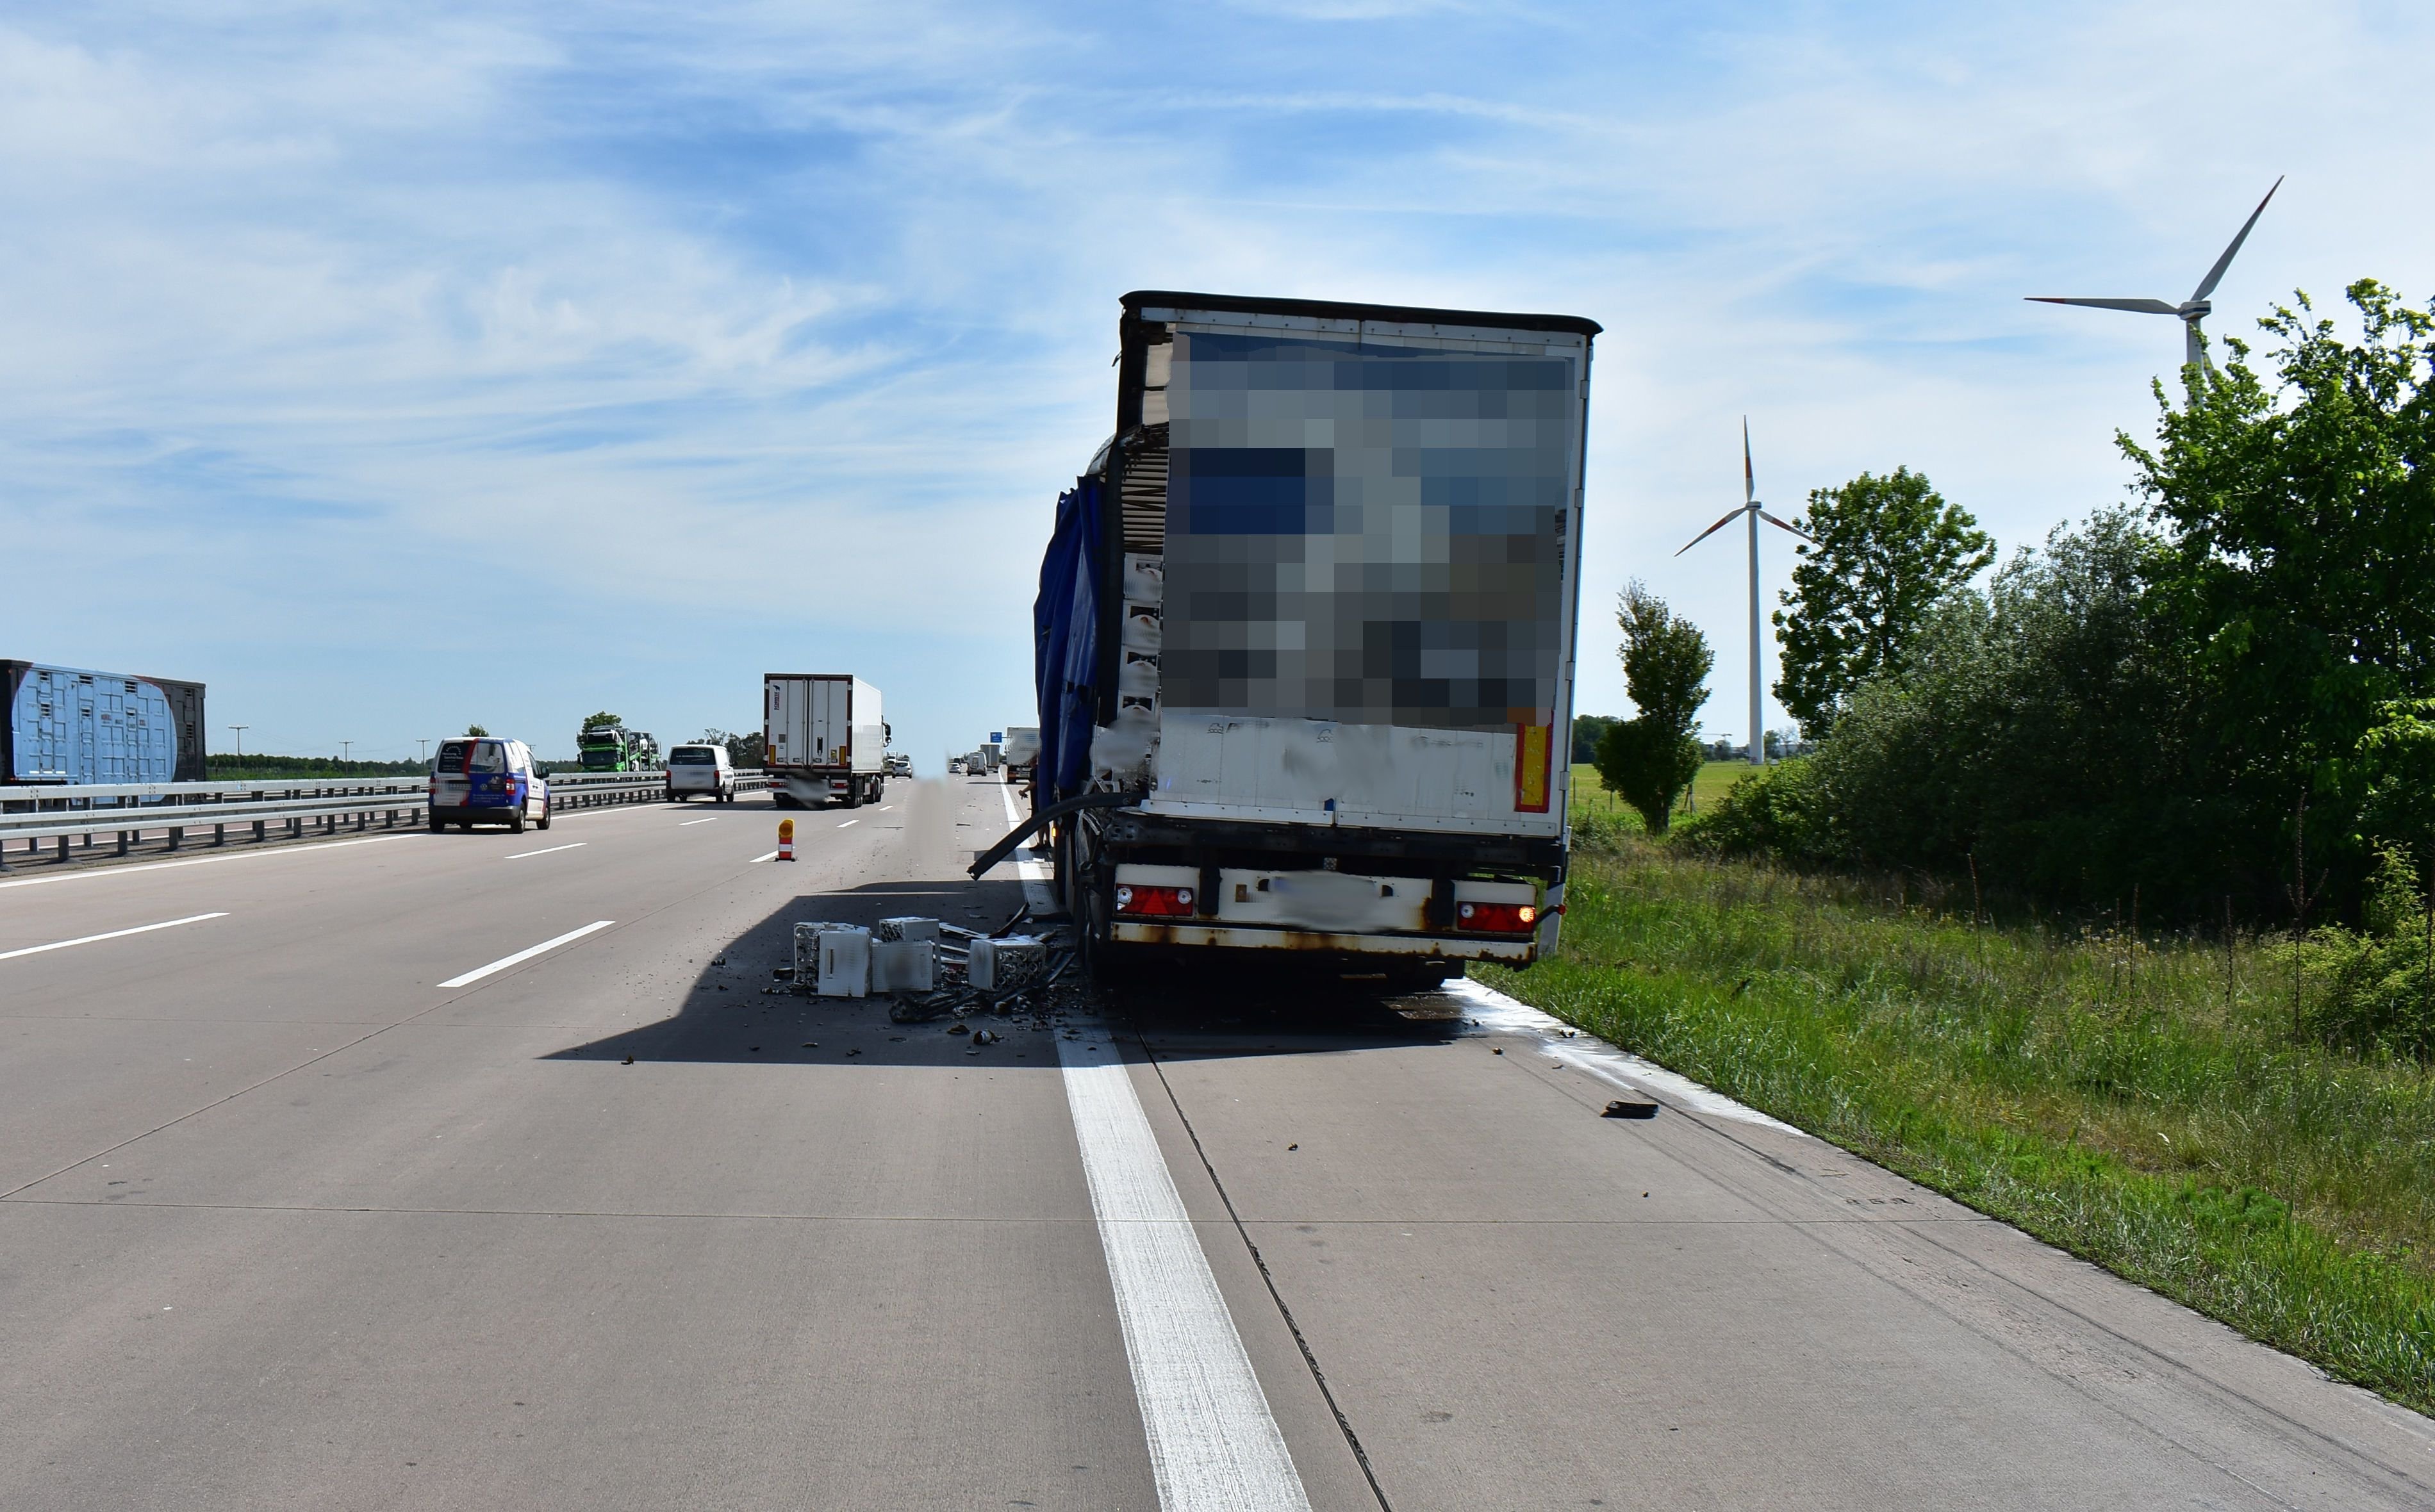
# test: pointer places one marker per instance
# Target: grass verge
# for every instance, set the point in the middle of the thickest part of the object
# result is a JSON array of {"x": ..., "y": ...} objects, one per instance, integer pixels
[{"x": 2142, "y": 1104}]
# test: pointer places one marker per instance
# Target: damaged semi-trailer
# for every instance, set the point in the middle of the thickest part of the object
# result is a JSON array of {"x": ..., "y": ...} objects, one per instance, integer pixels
[{"x": 1304, "y": 638}]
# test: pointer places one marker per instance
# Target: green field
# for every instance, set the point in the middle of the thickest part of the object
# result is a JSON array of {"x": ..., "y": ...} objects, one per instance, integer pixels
[
  {"x": 1715, "y": 780},
  {"x": 2140, "y": 1102}
]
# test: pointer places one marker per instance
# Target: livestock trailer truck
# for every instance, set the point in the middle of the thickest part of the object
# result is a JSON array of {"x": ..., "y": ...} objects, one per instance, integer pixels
[
  {"x": 68, "y": 725},
  {"x": 1304, "y": 638},
  {"x": 825, "y": 740}
]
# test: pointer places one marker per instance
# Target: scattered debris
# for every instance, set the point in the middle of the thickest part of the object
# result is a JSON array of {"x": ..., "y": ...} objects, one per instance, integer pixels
[
  {"x": 719, "y": 960},
  {"x": 1632, "y": 1108},
  {"x": 811, "y": 1044},
  {"x": 960, "y": 1028},
  {"x": 1008, "y": 928},
  {"x": 1498, "y": 1051},
  {"x": 754, "y": 1049},
  {"x": 1293, "y": 1146},
  {"x": 630, "y": 1060},
  {"x": 985, "y": 1038}
]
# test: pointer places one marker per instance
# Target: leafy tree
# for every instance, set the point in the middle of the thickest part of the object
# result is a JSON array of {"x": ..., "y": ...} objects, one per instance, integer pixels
[
  {"x": 604, "y": 718},
  {"x": 1649, "y": 766},
  {"x": 1665, "y": 659},
  {"x": 1885, "y": 551},
  {"x": 2041, "y": 733},
  {"x": 748, "y": 752},
  {"x": 1587, "y": 731},
  {"x": 475, "y": 729},
  {"x": 2302, "y": 568},
  {"x": 1652, "y": 757}
]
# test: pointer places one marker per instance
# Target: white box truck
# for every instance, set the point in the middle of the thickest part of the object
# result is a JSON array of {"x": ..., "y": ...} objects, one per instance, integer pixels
[
  {"x": 825, "y": 741},
  {"x": 1305, "y": 641}
]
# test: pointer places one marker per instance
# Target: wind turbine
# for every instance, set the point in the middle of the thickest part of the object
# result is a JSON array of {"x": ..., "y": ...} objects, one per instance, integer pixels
[
  {"x": 1751, "y": 509},
  {"x": 2191, "y": 310}
]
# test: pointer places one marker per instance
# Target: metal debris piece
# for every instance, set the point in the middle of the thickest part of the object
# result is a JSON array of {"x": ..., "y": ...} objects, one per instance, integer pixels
[{"x": 1632, "y": 1108}]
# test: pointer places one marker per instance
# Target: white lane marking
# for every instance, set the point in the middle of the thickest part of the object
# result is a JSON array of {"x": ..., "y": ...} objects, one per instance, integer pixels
[
  {"x": 202, "y": 861},
  {"x": 115, "y": 933},
  {"x": 503, "y": 962},
  {"x": 1620, "y": 1067},
  {"x": 688, "y": 824},
  {"x": 1214, "y": 1445},
  {"x": 885, "y": 807},
  {"x": 757, "y": 860},
  {"x": 848, "y": 824},
  {"x": 551, "y": 850},
  {"x": 1037, "y": 877}
]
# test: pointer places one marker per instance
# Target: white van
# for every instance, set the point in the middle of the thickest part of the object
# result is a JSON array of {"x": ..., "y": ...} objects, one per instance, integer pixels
[
  {"x": 475, "y": 780},
  {"x": 704, "y": 769}
]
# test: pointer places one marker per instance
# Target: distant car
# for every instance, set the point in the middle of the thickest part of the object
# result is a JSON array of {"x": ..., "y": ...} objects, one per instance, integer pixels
[
  {"x": 488, "y": 780},
  {"x": 956, "y": 767},
  {"x": 704, "y": 769},
  {"x": 899, "y": 764}
]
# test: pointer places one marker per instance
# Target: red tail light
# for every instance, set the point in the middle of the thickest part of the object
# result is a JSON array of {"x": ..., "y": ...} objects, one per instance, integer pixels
[
  {"x": 1502, "y": 919},
  {"x": 1155, "y": 902}
]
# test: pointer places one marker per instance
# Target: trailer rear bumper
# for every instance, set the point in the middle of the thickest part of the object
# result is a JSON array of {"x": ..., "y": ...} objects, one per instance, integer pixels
[{"x": 1256, "y": 937}]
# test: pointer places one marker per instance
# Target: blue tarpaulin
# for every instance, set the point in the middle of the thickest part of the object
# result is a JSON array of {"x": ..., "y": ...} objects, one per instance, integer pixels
[{"x": 1065, "y": 639}]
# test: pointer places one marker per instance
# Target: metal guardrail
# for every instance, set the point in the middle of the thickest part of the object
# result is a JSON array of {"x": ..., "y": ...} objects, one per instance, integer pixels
[{"x": 68, "y": 813}]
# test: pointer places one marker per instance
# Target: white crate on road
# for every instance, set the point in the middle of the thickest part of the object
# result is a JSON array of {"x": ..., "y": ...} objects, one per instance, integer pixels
[{"x": 904, "y": 965}]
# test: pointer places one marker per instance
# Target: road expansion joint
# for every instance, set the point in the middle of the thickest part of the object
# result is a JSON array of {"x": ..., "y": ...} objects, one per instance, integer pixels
[
  {"x": 1267, "y": 1279},
  {"x": 2163, "y": 1365}
]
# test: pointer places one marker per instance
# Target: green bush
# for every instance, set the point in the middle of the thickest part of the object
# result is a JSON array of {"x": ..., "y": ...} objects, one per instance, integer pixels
[
  {"x": 1776, "y": 812},
  {"x": 2372, "y": 990}
]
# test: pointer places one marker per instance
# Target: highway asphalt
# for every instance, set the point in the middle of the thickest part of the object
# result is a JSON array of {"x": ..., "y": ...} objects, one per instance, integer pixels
[{"x": 288, "y": 1220}]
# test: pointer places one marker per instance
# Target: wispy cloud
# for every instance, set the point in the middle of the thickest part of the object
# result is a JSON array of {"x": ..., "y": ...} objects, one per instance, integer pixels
[{"x": 376, "y": 341}]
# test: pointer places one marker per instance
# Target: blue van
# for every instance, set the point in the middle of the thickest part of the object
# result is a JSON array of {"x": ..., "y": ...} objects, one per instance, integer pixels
[{"x": 481, "y": 779}]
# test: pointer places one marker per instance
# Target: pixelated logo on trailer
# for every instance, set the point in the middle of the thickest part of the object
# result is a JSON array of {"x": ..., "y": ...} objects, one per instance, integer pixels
[{"x": 1367, "y": 533}]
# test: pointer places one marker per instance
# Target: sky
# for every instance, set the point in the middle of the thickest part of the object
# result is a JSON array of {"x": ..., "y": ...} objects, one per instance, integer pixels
[{"x": 389, "y": 369}]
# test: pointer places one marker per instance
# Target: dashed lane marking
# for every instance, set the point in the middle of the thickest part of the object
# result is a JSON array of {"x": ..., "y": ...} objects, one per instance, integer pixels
[
  {"x": 551, "y": 850},
  {"x": 115, "y": 933},
  {"x": 521, "y": 956}
]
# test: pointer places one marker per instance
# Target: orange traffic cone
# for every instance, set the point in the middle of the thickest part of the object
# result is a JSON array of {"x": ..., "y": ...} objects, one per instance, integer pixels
[{"x": 785, "y": 839}]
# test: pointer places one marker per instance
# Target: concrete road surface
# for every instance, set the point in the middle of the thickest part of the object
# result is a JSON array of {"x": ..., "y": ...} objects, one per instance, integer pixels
[{"x": 308, "y": 1201}]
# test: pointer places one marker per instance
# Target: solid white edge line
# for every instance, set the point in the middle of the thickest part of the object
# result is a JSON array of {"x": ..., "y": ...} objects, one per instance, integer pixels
[
  {"x": 1214, "y": 1444},
  {"x": 306, "y": 849},
  {"x": 687, "y": 824},
  {"x": 115, "y": 933},
  {"x": 503, "y": 962},
  {"x": 757, "y": 860},
  {"x": 1494, "y": 1011},
  {"x": 551, "y": 851}
]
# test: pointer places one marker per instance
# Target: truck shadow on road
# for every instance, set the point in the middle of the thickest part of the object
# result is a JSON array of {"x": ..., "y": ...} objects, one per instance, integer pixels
[{"x": 737, "y": 1011}]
